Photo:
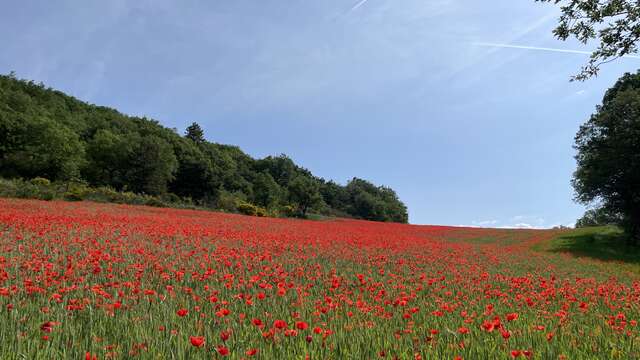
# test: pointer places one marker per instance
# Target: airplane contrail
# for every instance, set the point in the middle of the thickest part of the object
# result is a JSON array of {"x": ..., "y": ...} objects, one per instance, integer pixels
[
  {"x": 542, "y": 49},
  {"x": 356, "y": 6}
]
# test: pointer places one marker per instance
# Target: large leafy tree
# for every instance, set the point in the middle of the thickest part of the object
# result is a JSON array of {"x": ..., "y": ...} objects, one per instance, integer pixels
[
  {"x": 615, "y": 24},
  {"x": 371, "y": 202},
  {"x": 40, "y": 147},
  {"x": 194, "y": 174},
  {"x": 608, "y": 155},
  {"x": 152, "y": 165},
  {"x": 304, "y": 192},
  {"x": 108, "y": 156},
  {"x": 598, "y": 217},
  {"x": 266, "y": 192}
]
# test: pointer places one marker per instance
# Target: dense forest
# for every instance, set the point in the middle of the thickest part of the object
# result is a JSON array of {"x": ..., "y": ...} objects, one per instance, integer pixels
[{"x": 45, "y": 133}]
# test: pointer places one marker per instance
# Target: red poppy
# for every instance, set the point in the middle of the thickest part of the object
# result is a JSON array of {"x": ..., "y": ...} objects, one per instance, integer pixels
[
  {"x": 224, "y": 335},
  {"x": 279, "y": 324},
  {"x": 488, "y": 326},
  {"x": 222, "y": 350},
  {"x": 197, "y": 341},
  {"x": 48, "y": 326}
]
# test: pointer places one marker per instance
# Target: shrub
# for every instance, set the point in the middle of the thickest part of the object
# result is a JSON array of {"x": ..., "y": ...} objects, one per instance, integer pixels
[
  {"x": 153, "y": 201},
  {"x": 261, "y": 212},
  {"x": 26, "y": 190},
  {"x": 43, "y": 189},
  {"x": 171, "y": 198},
  {"x": 247, "y": 209},
  {"x": 39, "y": 181},
  {"x": 227, "y": 202},
  {"x": 288, "y": 211},
  {"x": 73, "y": 195},
  {"x": 8, "y": 188}
]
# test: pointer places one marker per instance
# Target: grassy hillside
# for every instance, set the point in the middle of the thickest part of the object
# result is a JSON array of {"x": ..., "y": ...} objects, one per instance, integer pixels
[
  {"x": 604, "y": 244},
  {"x": 117, "y": 281}
]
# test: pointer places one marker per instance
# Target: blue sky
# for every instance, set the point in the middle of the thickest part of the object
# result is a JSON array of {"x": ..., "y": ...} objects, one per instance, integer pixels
[{"x": 405, "y": 93}]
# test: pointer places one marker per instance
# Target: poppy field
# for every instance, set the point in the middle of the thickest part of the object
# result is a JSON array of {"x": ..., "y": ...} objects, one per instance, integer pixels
[{"x": 103, "y": 281}]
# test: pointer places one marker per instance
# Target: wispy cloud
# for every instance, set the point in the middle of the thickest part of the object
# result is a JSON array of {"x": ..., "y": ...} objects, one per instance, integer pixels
[
  {"x": 514, "y": 36},
  {"x": 538, "y": 48},
  {"x": 358, "y": 5}
]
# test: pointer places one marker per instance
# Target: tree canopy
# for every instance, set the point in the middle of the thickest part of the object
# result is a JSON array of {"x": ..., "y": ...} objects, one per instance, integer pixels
[
  {"x": 195, "y": 133},
  {"x": 46, "y": 133},
  {"x": 608, "y": 155},
  {"x": 598, "y": 217},
  {"x": 615, "y": 24}
]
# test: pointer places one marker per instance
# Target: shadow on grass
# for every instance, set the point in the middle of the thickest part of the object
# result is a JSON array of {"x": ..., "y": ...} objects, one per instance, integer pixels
[{"x": 603, "y": 243}]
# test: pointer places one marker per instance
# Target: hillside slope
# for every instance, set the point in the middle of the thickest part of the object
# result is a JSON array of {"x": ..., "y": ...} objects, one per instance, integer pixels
[{"x": 118, "y": 281}]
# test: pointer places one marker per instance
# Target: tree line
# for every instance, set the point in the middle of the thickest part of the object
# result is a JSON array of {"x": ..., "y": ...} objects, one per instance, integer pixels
[
  {"x": 48, "y": 134},
  {"x": 608, "y": 144},
  {"x": 608, "y": 158}
]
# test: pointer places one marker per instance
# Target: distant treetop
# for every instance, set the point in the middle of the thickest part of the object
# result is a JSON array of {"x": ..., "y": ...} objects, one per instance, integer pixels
[{"x": 195, "y": 133}]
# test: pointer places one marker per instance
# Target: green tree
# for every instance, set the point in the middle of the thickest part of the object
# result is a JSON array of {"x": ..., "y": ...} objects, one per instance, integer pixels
[
  {"x": 281, "y": 168},
  {"x": 266, "y": 191},
  {"x": 107, "y": 155},
  {"x": 152, "y": 165},
  {"x": 195, "y": 133},
  {"x": 608, "y": 155},
  {"x": 371, "y": 202},
  {"x": 335, "y": 196},
  {"x": 194, "y": 173},
  {"x": 39, "y": 146},
  {"x": 226, "y": 172},
  {"x": 598, "y": 217},
  {"x": 614, "y": 23},
  {"x": 395, "y": 210},
  {"x": 305, "y": 193}
]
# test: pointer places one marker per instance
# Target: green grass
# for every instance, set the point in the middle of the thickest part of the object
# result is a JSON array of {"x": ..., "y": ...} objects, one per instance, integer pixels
[{"x": 604, "y": 243}]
